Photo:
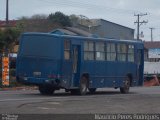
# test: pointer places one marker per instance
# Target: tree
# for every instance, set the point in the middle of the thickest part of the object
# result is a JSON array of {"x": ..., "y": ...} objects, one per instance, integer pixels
[
  {"x": 7, "y": 37},
  {"x": 74, "y": 19},
  {"x": 60, "y": 18},
  {"x": 38, "y": 17}
]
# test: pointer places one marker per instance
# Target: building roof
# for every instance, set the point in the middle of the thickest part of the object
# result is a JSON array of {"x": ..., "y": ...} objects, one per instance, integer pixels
[
  {"x": 113, "y": 23},
  {"x": 11, "y": 23},
  {"x": 73, "y": 31},
  {"x": 63, "y": 32},
  {"x": 79, "y": 31},
  {"x": 152, "y": 44}
]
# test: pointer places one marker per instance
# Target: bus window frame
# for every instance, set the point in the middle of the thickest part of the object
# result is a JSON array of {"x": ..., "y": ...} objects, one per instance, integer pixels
[
  {"x": 100, "y": 51},
  {"x": 133, "y": 52},
  {"x": 111, "y": 52},
  {"x": 120, "y": 52},
  {"x": 67, "y": 50},
  {"x": 88, "y": 51}
]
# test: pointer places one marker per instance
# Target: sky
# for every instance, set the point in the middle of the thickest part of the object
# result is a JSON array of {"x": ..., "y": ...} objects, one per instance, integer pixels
[{"x": 118, "y": 11}]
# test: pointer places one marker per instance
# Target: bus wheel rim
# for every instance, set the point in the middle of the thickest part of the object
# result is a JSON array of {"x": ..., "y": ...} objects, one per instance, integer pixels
[{"x": 83, "y": 87}]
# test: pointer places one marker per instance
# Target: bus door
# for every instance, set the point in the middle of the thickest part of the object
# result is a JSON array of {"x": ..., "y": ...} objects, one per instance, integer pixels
[
  {"x": 140, "y": 64},
  {"x": 75, "y": 65}
]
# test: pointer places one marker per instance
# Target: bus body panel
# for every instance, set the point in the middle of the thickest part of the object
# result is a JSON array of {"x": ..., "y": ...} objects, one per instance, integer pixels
[
  {"x": 68, "y": 72},
  {"x": 71, "y": 78},
  {"x": 34, "y": 66},
  {"x": 112, "y": 74}
]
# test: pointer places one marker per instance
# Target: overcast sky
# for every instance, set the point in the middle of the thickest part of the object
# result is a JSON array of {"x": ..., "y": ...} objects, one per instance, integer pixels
[{"x": 117, "y": 11}]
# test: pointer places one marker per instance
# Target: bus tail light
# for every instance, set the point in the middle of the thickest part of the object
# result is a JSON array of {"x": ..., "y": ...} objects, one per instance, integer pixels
[{"x": 52, "y": 76}]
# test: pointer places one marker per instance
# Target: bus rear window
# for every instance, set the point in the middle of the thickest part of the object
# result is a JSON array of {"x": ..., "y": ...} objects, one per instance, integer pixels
[{"x": 39, "y": 45}]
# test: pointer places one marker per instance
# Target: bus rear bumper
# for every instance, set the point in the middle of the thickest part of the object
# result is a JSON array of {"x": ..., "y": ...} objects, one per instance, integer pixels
[{"x": 38, "y": 81}]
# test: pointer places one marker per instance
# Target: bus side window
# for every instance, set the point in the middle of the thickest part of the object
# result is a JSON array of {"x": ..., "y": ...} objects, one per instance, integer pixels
[
  {"x": 67, "y": 45},
  {"x": 100, "y": 51},
  {"x": 130, "y": 53},
  {"x": 121, "y": 52},
  {"x": 139, "y": 57},
  {"x": 88, "y": 50},
  {"x": 111, "y": 51}
]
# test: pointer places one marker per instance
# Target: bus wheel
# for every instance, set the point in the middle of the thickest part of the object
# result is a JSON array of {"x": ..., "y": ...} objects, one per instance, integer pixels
[
  {"x": 92, "y": 90},
  {"x": 83, "y": 85},
  {"x": 46, "y": 90},
  {"x": 74, "y": 91},
  {"x": 67, "y": 90},
  {"x": 125, "y": 88}
]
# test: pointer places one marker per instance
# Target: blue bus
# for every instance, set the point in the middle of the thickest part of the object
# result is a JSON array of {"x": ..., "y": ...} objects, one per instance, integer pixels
[{"x": 79, "y": 64}]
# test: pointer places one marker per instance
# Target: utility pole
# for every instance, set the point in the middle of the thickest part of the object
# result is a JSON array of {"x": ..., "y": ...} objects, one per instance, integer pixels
[
  {"x": 139, "y": 23},
  {"x": 152, "y": 33},
  {"x": 7, "y": 13}
]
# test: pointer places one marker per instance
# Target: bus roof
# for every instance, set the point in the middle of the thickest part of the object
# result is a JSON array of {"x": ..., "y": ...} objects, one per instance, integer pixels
[{"x": 81, "y": 37}]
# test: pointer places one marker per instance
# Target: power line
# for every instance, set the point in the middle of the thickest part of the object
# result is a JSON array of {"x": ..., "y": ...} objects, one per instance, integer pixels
[{"x": 139, "y": 23}]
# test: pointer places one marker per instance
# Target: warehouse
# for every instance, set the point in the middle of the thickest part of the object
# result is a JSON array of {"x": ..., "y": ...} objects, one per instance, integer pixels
[{"x": 104, "y": 28}]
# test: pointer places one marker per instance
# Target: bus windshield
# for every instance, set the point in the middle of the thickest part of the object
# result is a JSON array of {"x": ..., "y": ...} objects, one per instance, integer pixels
[{"x": 41, "y": 46}]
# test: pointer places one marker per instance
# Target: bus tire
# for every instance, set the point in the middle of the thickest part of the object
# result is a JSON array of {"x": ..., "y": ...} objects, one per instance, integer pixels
[
  {"x": 125, "y": 88},
  {"x": 92, "y": 90},
  {"x": 46, "y": 90},
  {"x": 83, "y": 85},
  {"x": 67, "y": 90},
  {"x": 74, "y": 91}
]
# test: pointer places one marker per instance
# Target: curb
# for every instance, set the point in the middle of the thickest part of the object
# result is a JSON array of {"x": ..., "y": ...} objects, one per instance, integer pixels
[{"x": 18, "y": 88}]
